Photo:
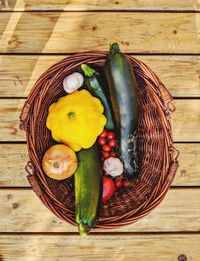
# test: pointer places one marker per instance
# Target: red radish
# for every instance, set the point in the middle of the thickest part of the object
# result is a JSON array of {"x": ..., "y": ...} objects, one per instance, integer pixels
[
  {"x": 104, "y": 134},
  {"x": 113, "y": 154},
  {"x": 106, "y": 154},
  {"x": 110, "y": 135},
  {"x": 108, "y": 188},
  {"x": 106, "y": 147},
  {"x": 102, "y": 141},
  {"x": 118, "y": 183},
  {"x": 112, "y": 143}
]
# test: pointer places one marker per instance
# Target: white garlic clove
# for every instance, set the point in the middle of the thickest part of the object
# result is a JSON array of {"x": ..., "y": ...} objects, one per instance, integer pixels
[
  {"x": 113, "y": 166},
  {"x": 73, "y": 82},
  {"x": 80, "y": 78}
]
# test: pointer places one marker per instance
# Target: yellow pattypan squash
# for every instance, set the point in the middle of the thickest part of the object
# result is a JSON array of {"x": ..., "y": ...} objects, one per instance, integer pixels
[{"x": 76, "y": 120}]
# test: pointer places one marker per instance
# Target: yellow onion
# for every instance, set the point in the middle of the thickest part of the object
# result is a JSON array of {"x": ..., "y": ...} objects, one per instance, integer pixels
[{"x": 59, "y": 162}]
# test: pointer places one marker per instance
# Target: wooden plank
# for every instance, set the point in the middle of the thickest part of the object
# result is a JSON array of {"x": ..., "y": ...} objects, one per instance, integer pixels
[
  {"x": 188, "y": 173},
  {"x": 100, "y": 248},
  {"x": 20, "y": 5},
  {"x": 63, "y": 32},
  {"x": 9, "y": 120},
  {"x": 19, "y": 73},
  {"x": 185, "y": 122},
  {"x": 14, "y": 157},
  {"x": 22, "y": 211}
]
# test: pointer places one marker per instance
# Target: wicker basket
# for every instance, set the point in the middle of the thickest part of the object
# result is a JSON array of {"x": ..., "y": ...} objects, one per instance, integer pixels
[{"x": 157, "y": 155}]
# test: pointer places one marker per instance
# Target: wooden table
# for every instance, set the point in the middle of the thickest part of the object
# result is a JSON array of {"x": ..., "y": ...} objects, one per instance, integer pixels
[{"x": 35, "y": 34}]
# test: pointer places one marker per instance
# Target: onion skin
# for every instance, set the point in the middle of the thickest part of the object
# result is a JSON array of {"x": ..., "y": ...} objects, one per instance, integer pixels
[{"x": 59, "y": 162}]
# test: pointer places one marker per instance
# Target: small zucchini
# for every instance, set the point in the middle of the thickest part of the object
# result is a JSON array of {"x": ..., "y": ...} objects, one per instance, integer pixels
[
  {"x": 87, "y": 188},
  {"x": 124, "y": 98},
  {"x": 96, "y": 86}
]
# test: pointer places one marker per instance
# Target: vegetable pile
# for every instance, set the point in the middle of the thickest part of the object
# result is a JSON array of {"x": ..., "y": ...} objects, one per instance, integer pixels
[{"x": 95, "y": 125}]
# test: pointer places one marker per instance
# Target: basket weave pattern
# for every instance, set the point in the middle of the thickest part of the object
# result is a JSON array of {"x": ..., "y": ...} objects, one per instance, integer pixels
[{"x": 157, "y": 155}]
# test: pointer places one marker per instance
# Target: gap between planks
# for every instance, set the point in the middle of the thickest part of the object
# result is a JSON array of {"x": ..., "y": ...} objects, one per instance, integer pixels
[
  {"x": 106, "y": 233},
  {"x": 105, "y": 11},
  {"x": 103, "y": 5}
]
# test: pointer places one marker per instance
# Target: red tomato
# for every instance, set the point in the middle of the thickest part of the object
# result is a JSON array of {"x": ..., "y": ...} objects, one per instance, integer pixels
[
  {"x": 112, "y": 143},
  {"x": 104, "y": 134},
  {"x": 118, "y": 183},
  {"x": 106, "y": 154},
  {"x": 108, "y": 188},
  {"x": 125, "y": 184},
  {"x": 113, "y": 154},
  {"x": 110, "y": 135},
  {"x": 106, "y": 147},
  {"x": 102, "y": 141}
]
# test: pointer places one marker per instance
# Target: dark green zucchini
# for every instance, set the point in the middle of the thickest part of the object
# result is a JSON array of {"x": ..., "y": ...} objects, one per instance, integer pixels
[
  {"x": 94, "y": 83},
  {"x": 124, "y": 98},
  {"x": 87, "y": 188}
]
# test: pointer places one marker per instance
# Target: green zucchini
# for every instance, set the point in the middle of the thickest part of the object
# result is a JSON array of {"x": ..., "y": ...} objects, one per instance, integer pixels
[
  {"x": 95, "y": 84},
  {"x": 124, "y": 98},
  {"x": 87, "y": 188}
]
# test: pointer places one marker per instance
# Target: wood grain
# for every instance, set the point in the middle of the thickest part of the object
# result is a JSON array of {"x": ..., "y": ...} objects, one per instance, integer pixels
[
  {"x": 21, "y": 5},
  {"x": 9, "y": 120},
  {"x": 100, "y": 248},
  {"x": 13, "y": 158},
  {"x": 22, "y": 211},
  {"x": 64, "y": 32},
  {"x": 185, "y": 121},
  {"x": 180, "y": 74}
]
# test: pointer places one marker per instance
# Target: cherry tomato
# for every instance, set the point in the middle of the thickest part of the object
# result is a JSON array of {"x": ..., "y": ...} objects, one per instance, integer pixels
[
  {"x": 110, "y": 135},
  {"x": 113, "y": 154},
  {"x": 104, "y": 134},
  {"x": 112, "y": 143},
  {"x": 106, "y": 154},
  {"x": 108, "y": 188},
  {"x": 125, "y": 184},
  {"x": 118, "y": 183},
  {"x": 106, "y": 147},
  {"x": 102, "y": 141}
]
